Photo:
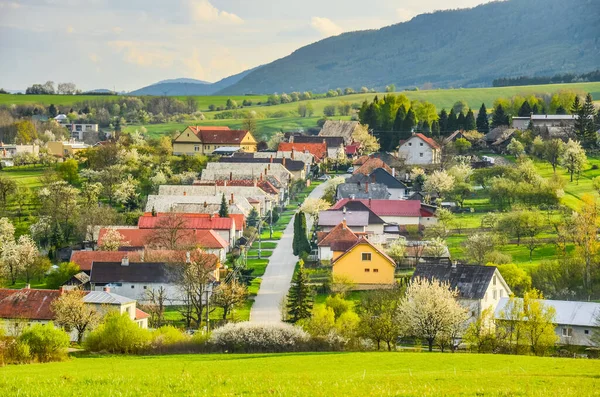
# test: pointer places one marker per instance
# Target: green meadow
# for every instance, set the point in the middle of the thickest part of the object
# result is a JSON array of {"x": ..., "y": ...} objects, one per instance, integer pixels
[{"x": 327, "y": 374}]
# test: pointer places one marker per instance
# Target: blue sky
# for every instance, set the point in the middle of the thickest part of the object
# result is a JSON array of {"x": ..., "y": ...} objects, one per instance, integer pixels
[{"x": 127, "y": 44}]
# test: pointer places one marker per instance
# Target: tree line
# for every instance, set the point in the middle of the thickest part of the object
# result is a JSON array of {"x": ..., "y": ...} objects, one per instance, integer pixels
[{"x": 538, "y": 80}]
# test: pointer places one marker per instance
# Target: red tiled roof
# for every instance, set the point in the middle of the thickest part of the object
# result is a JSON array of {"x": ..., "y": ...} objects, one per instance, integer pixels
[
  {"x": 84, "y": 259},
  {"x": 265, "y": 186},
  {"x": 197, "y": 128},
  {"x": 221, "y": 136},
  {"x": 30, "y": 304},
  {"x": 371, "y": 165},
  {"x": 140, "y": 315},
  {"x": 427, "y": 140},
  {"x": 318, "y": 150},
  {"x": 240, "y": 219},
  {"x": 200, "y": 223},
  {"x": 361, "y": 160},
  {"x": 387, "y": 207},
  {"x": 351, "y": 149},
  {"x": 340, "y": 233},
  {"x": 361, "y": 241},
  {"x": 208, "y": 239}
]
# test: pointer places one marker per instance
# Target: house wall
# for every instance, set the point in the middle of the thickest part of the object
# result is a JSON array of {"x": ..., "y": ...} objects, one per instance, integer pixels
[
  {"x": 401, "y": 220},
  {"x": 578, "y": 335},
  {"x": 428, "y": 221},
  {"x": 137, "y": 291},
  {"x": 374, "y": 229},
  {"x": 397, "y": 194},
  {"x": 325, "y": 254},
  {"x": 496, "y": 290},
  {"x": 355, "y": 229},
  {"x": 417, "y": 151},
  {"x": 351, "y": 265}
]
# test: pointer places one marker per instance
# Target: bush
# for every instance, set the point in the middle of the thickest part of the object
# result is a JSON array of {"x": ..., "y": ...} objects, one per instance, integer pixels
[
  {"x": 45, "y": 342},
  {"x": 13, "y": 351},
  {"x": 58, "y": 277},
  {"x": 248, "y": 337},
  {"x": 338, "y": 304},
  {"x": 168, "y": 335},
  {"x": 118, "y": 334}
]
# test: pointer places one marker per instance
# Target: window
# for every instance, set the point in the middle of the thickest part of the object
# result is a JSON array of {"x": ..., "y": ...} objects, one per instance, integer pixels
[
  {"x": 375, "y": 270},
  {"x": 145, "y": 287},
  {"x": 567, "y": 332},
  {"x": 421, "y": 144},
  {"x": 586, "y": 331},
  {"x": 367, "y": 270},
  {"x": 366, "y": 256},
  {"x": 501, "y": 293},
  {"x": 196, "y": 148},
  {"x": 420, "y": 154},
  {"x": 132, "y": 286},
  {"x": 495, "y": 294},
  {"x": 409, "y": 143},
  {"x": 494, "y": 280}
]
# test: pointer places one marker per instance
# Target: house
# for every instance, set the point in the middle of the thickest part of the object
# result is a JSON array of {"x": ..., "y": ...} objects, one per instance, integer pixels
[
  {"x": 84, "y": 259},
  {"x": 395, "y": 212},
  {"x": 499, "y": 138},
  {"x": 544, "y": 120},
  {"x": 78, "y": 131},
  {"x": 336, "y": 241},
  {"x": 25, "y": 307},
  {"x": 370, "y": 165},
  {"x": 344, "y": 129},
  {"x": 575, "y": 321},
  {"x": 65, "y": 149},
  {"x": 458, "y": 134},
  {"x": 334, "y": 143},
  {"x": 205, "y": 140},
  {"x": 212, "y": 241},
  {"x": 9, "y": 151},
  {"x": 419, "y": 149},
  {"x": 355, "y": 221},
  {"x": 479, "y": 287},
  {"x": 262, "y": 184},
  {"x": 366, "y": 265},
  {"x": 196, "y": 204},
  {"x": 298, "y": 168},
  {"x": 397, "y": 190},
  {"x": 216, "y": 171},
  {"x": 135, "y": 279},
  {"x": 367, "y": 190},
  {"x": 375, "y": 224},
  {"x": 318, "y": 150}
]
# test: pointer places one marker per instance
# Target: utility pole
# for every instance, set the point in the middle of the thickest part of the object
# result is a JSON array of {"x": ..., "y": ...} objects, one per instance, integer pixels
[
  {"x": 260, "y": 221},
  {"x": 271, "y": 222}
]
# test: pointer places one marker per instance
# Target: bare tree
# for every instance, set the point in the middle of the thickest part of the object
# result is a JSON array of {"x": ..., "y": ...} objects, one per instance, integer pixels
[
  {"x": 171, "y": 233},
  {"x": 155, "y": 305}
]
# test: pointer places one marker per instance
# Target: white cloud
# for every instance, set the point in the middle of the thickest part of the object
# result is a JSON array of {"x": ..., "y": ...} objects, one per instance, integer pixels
[
  {"x": 405, "y": 14},
  {"x": 325, "y": 26},
  {"x": 144, "y": 54},
  {"x": 204, "y": 11}
]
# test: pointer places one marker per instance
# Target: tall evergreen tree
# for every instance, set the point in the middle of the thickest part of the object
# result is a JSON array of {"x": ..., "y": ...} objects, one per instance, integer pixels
[
  {"x": 499, "y": 117},
  {"x": 370, "y": 118},
  {"x": 525, "y": 110},
  {"x": 588, "y": 114},
  {"x": 224, "y": 209},
  {"x": 536, "y": 109},
  {"x": 580, "y": 124},
  {"x": 410, "y": 122},
  {"x": 52, "y": 111},
  {"x": 426, "y": 128},
  {"x": 300, "y": 297},
  {"x": 452, "y": 122},
  {"x": 400, "y": 116},
  {"x": 363, "y": 111},
  {"x": 483, "y": 124},
  {"x": 460, "y": 121},
  {"x": 435, "y": 129},
  {"x": 470, "y": 121},
  {"x": 300, "y": 244},
  {"x": 443, "y": 122},
  {"x": 561, "y": 110}
]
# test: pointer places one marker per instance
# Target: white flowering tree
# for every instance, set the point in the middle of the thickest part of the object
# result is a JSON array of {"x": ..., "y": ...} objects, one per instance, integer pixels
[
  {"x": 312, "y": 207},
  {"x": 368, "y": 143},
  {"x": 440, "y": 182},
  {"x": 7, "y": 233},
  {"x": 112, "y": 240},
  {"x": 461, "y": 172},
  {"x": 429, "y": 310},
  {"x": 126, "y": 191},
  {"x": 436, "y": 248},
  {"x": 17, "y": 257},
  {"x": 573, "y": 158},
  {"x": 397, "y": 250}
]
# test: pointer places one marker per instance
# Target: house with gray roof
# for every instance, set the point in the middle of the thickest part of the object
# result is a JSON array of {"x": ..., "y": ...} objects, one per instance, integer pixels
[
  {"x": 575, "y": 321},
  {"x": 196, "y": 204},
  {"x": 339, "y": 128},
  {"x": 479, "y": 287},
  {"x": 358, "y": 222},
  {"x": 397, "y": 189},
  {"x": 359, "y": 190}
]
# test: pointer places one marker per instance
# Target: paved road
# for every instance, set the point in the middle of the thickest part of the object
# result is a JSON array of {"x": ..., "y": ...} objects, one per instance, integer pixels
[{"x": 278, "y": 276}]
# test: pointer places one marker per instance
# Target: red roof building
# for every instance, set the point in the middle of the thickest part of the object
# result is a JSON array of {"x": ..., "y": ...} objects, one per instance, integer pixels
[
  {"x": 29, "y": 304},
  {"x": 371, "y": 165},
  {"x": 134, "y": 237},
  {"x": 84, "y": 259},
  {"x": 262, "y": 184},
  {"x": 318, "y": 150},
  {"x": 200, "y": 223}
]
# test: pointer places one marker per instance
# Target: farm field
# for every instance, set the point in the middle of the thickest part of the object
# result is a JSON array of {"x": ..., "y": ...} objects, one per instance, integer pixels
[{"x": 362, "y": 374}]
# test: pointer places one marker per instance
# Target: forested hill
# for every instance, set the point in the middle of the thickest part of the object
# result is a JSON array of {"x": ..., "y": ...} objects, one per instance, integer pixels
[{"x": 459, "y": 48}]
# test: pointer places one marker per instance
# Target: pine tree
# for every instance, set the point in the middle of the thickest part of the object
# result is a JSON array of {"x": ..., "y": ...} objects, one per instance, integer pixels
[
  {"x": 426, "y": 128},
  {"x": 299, "y": 300},
  {"x": 499, "y": 117},
  {"x": 435, "y": 129},
  {"x": 410, "y": 122},
  {"x": 536, "y": 109},
  {"x": 460, "y": 122},
  {"x": 483, "y": 124},
  {"x": 363, "y": 111},
  {"x": 443, "y": 122},
  {"x": 223, "y": 210},
  {"x": 525, "y": 110},
  {"x": 400, "y": 116},
  {"x": 452, "y": 122},
  {"x": 561, "y": 110},
  {"x": 300, "y": 244},
  {"x": 52, "y": 111},
  {"x": 470, "y": 121},
  {"x": 253, "y": 218},
  {"x": 587, "y": 114},
  {"x": 370, "y": 118},
  {"x": 580, "y": 123}
]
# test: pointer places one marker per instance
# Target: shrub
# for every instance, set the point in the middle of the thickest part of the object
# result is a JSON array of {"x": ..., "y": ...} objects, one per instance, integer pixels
[
  {"x": 45, "y": 342},
  {"x": 58, "y": 277},
  {"x": 249, "y": 337},
  {"x": 338, "y": 304},
  {"x": 168, "y": 335},
  {"x": 117, "y": 334}
]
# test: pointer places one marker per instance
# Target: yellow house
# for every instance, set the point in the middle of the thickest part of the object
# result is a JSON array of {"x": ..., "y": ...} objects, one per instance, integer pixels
[
  {"x": 365, "y": 264},
  {"x": 205, "y": 140},
  {"x": 65, "y": 149}
]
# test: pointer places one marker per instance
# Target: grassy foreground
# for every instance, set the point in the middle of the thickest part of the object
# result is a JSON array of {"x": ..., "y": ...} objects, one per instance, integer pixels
[{"x": 351, "y": 374}]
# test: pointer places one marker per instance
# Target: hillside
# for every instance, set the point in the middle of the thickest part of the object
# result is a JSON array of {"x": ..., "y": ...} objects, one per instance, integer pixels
[
  {"x": 460, "y": 48},
  {"x": 359, "y": 374},
  {"x": 184, "y": 86}
]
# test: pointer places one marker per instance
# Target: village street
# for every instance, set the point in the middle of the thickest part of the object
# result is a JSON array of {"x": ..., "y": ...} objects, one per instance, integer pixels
[{"x": 278, "y": 276}]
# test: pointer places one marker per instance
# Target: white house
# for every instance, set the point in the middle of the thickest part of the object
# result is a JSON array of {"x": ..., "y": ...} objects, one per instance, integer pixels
[
  {"x": 575, "y": 321},
  {"x": 419, "y": 149},
  {"x": 79, "y": 130},
  {"x": 479, "y": 287}
]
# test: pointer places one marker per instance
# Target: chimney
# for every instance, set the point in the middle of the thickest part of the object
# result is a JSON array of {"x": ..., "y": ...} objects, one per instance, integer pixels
[
  {"x": 106, "y": 289},
  {"x": 271, "y": 160},
  {"x": 367, "y": 188},
  {"x": 454, "y": 264},
  {"x": 292, "y": 154},
  {"x": 261, "y": 176},
  {"x": 28, "y": 286},
  {"x": 269, "y": 167},
  {"x": 283, "y": 161},
  {"x": 369, "y": 203},
  {"x": 232, "y": 200},
  {"x": 225, "y": 183},
  {"x": 394, "y": 172},
  {"x": 205, "y": 204},
  {"x": 344, "y": 210},
  {"x": 184, "y": 193},
  {"x": 255, "y": 182},
  {"x": 344, "y": 221},
  {"x": 125, "y": 261},
  {"x": 231, "y": 176},
  {"x": 188, "y": 257}
]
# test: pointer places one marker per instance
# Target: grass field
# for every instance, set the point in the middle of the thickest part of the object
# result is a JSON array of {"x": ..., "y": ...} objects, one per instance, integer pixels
[{"x": 348, "y": 374}]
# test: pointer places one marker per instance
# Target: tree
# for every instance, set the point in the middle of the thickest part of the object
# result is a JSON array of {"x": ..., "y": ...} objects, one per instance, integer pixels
[
  {"x": 112, "y": 241},
  {"x": 171, "y": 234},
  {"x": 452, "y": 121},
  {"x": 156, "y": 300},
  {"x": 320, "y": 323},
  {"x": 368, "y": 143},
  {"x": 525, "y": 110},
  {"x": 585, "y": 124},
  {"x": 253, "y": 218},
  {"x": 517, "y": 279},
  {"x": 329, "y": 111},
  {"x": 436, "y": 248},
  {"x": 224, "y": 208},
  {"x": 302, "y": 110},
  {"x": 443, "y": 121},
  {"x": 552, "y": 152},
  {"x": 193, "y": 279},
  {"x": 17, "y": 256},
  {"x": 515, "y": 148},
  {"x": 499, "y": 117},
  {"x": 429, "y": 310},
  {"x": 409, "y": 124},
  {"x": 397, "y": 250},
  {"x": 26, "y": 132},
  {"x": 72, "y": 313},
  {"x": 228, "y": 295},
  {"x": 312, "y": 207},
  {"x": 460, "y": 192},
  {"x": 7, "y": 187},
  {"x": 573, "y": 158},
  {"x": 299, "y": 299},
  {"x": 539, "y": 323},
  {"x": 59, "y": 201},
  {"x": 300, "y": 244},
  {"x": 378, "y": 317},
  {"x": 275, "y": 140},
  {"x": 46, "y": 342},
  {"x": 440, "y": 182},
  {"x": 470, "y": 123},
  {"x": 52, "y": 111},
  {"x": 60, "y": 276},
  {"x": 249, "y": 124},
  {"x": 585, "y": 238},
  {"x": 68, "y": 170},
  {"x": 483, "y": 125},
  {"x": 478, "y": 245}
]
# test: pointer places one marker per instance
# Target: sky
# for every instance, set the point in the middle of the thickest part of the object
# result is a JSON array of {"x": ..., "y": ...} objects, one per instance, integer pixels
[{"x": 128, "y": 44}]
